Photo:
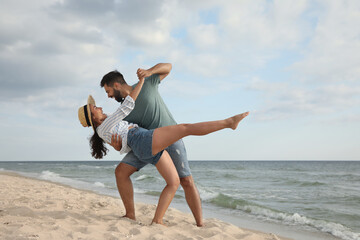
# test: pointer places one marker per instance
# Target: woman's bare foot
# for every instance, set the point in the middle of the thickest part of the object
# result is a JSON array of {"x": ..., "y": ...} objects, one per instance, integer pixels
[
  {"x": 129, "y": 216},
  {"x": 158, "y": 222},
  {"x": 234, "y": 121}
]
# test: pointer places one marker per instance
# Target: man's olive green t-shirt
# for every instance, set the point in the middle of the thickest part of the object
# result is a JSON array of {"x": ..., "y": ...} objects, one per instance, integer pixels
[{"x": 150, "y": 111}]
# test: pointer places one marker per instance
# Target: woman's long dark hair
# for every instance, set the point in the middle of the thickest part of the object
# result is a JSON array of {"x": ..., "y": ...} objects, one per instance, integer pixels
[{"x": 97, "y": 145}]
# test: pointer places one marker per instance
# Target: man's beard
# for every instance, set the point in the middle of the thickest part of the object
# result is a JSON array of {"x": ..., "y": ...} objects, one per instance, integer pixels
[{"x": 117, "y": 96}]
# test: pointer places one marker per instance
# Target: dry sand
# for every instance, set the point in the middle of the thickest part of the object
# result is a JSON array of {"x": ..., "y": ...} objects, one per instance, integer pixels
[{"x": 36, "y": 209}]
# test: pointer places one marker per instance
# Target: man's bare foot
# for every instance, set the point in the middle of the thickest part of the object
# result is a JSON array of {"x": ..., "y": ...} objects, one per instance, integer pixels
[
  {"x": 234, "y": 121},
  {"x": 129, "y": 216}
]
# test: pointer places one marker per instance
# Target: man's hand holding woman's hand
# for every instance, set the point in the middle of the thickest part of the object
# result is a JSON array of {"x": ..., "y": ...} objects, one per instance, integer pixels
[
  {"x": 116, "y": 142},
  {"x": 143, "y": 73}
]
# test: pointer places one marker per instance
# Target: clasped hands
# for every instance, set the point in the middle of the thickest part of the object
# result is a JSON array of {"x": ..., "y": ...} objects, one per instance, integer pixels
[{"x": 143, "y": 73}]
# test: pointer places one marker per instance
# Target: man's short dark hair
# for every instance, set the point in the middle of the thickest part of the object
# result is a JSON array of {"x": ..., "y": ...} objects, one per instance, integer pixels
[{"x": 112, "y": 77}]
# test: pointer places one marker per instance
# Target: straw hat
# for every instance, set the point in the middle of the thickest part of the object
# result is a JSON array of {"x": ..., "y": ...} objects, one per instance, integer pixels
[{"x": 85, "y": 113}]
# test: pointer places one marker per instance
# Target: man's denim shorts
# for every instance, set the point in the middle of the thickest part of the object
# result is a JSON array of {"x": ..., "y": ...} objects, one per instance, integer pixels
[
  {"x": 176, "y": 151},
  {"x": 140, "y": 141}
]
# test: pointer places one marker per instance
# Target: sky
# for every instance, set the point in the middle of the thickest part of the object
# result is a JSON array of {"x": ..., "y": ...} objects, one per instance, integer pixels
[{"x": 295, "y": 65}]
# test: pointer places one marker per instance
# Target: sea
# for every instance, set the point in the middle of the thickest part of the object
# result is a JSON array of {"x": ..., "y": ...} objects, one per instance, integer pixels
[{"x": 301, "y": 200}]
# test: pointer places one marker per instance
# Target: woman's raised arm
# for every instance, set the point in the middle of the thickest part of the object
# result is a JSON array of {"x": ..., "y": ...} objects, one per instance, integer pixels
[{"x": 135, "y": 92}]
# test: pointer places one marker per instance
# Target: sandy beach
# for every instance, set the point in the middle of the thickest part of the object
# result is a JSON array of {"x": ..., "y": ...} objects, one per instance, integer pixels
[{"x": 37, "y": 209}]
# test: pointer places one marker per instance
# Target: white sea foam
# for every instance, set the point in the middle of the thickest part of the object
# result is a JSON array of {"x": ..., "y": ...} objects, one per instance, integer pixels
[
  {"x": 149, "y": 177},
  {"x": 335, "y": 229},
  {"x": 142, "y": 177},
  {"x": 51, "y": 176},
  {"x": 259, "y": 191},
  {"x": 138, "y": 190},
  {"x": 207, "y": 194},
  {"x": 296, "y": 219},
  {"x": 99, "y": 184},
  {"x": 95, "y": 186},
  {"x": 89, "y": 166},
  {"x": 55, "y": 177}
]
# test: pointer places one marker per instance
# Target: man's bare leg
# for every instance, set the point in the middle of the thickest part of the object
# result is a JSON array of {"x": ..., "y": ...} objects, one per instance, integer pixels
[
  {"x": 122, "y": 173},
  {"x": 192, "y": 198}
]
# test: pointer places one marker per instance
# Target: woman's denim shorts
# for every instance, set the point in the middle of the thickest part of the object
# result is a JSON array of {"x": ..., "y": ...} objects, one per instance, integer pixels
[{"x": 140, "y": 141}]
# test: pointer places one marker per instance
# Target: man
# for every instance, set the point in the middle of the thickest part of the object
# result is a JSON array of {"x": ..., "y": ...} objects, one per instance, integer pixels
[{"x": 150, "y": 112}]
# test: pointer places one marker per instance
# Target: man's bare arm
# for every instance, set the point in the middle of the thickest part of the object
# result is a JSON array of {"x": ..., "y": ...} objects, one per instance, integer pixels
[{"x": 163, "y": 69}]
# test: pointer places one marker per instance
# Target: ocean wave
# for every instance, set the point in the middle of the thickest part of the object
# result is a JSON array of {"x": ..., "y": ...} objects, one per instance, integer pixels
[
  {"x": 157, "y": 193},
  {"x": 55, "y": 177},
  {"x": 48, "y": 175},
  {"x": 239, "y": 168},
  {"x": 343, "y": 175},
  {"x": 305, "y": 183},
  {"x": 153, "y": 193},
  {"x": 138, "y": 190},
  {"x": 230, "y": 176},
  {"x": 312, "y": 184},
  {"x": 89, "y": 166},
  {"x": 353, "y": 199},
  {"x": 99, "y": 184},
  {"x": 292, "y": 169},
  {"x": 225, "y": 201},
  {"x": 336, "y": 229},
  {"x": 96, "y": 167},
  {"x": 206, "y": 195},
  {"x": 145, "y": 177}
]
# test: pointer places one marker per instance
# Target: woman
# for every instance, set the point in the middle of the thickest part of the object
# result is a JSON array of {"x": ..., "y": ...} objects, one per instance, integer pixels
[{"x": 147, "y": 145}]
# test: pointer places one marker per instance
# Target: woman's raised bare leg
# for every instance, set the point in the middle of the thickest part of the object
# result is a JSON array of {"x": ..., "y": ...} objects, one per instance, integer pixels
[{"x": 165, "y": 136}]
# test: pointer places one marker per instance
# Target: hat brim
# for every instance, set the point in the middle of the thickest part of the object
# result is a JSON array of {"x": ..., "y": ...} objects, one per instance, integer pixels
[{"x": 90, "y": 100}]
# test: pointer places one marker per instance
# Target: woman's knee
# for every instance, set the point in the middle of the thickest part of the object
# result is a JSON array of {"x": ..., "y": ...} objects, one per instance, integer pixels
[
  {"x": 118, "y": 171},
  {"x": 174, "y": 183},
  {"x": 123, "y": 171}
]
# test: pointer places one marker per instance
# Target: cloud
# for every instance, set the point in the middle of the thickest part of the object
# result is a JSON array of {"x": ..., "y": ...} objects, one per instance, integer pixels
[
  {"x": 81, "y": 40},
  {"x": 83, "y": 8},
  {"x": 284, "y": 100},
  {"x": 244, "y": 35},
  {"x": 133, "y": 23},
  {"x": 78, "y": 39},
  {"x": 204, "y": 36},
  {"x": 199, "y": 89},
  {"x": 264, "y": 24},
  {"x": 57, "y": 54},
  {"x": 331, "y": 53}
]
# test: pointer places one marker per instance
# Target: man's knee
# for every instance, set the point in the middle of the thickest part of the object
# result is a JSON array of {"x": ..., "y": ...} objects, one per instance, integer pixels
[{"x": 187, "y": 182}]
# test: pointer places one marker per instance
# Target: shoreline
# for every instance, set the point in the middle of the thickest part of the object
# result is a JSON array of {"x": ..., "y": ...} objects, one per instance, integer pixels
[
  {"x": 39, "y": 209},
  {"x": 245, "y": 222}
]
